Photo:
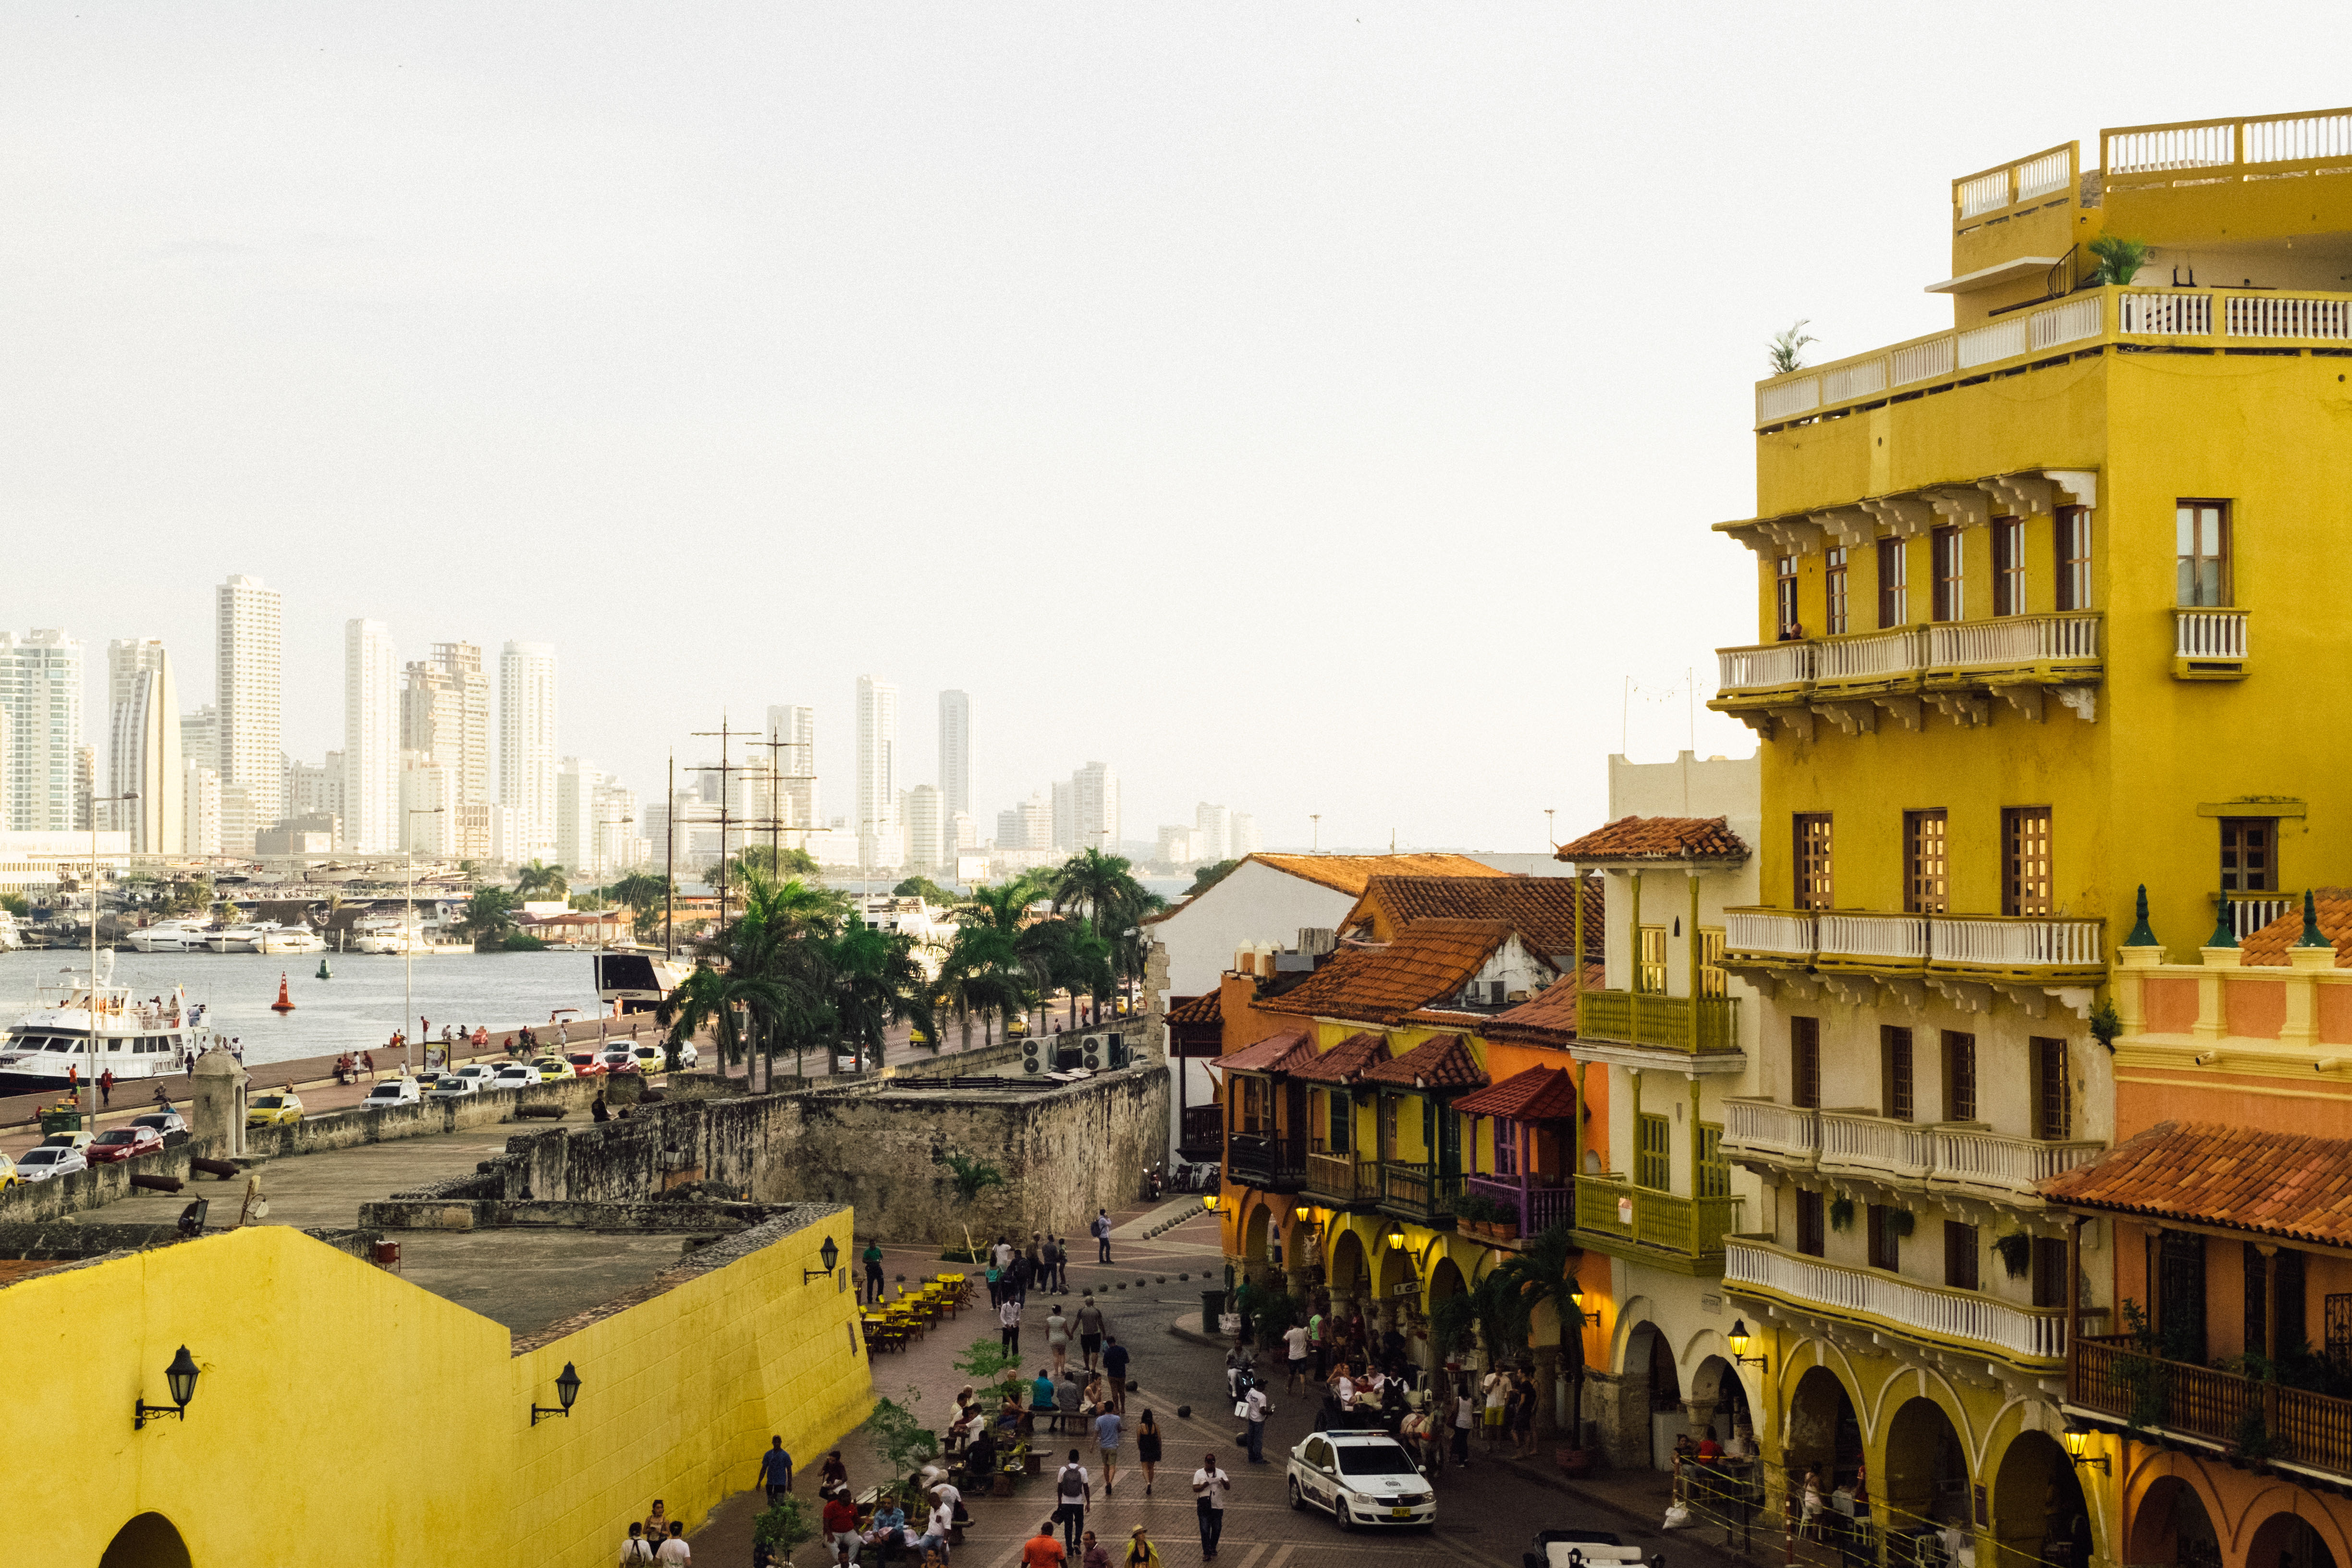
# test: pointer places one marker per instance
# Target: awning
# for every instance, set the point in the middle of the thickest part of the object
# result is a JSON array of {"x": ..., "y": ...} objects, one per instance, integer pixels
[
  {"x": 1441, "y": 1061},
  {"x": 1276, "y": 1053},
  {"x": 1538, "y": 1094}
]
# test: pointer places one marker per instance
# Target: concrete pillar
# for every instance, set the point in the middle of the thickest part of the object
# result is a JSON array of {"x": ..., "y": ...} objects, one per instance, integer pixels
[{"x": 216, "y": 1115}]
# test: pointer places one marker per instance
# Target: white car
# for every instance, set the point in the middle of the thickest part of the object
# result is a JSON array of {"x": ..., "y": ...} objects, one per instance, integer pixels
[
  {"x": 392, "y": 1092},
  {"x": 479, "y": 1073},
  {"x": 514, "y": 1075},
  {"x": 454, "y": 1088},
  {"x": 1361, "y": 1478},
  {"x": 49, "y": 1160},
  {"x": 164, "y": 1123}
]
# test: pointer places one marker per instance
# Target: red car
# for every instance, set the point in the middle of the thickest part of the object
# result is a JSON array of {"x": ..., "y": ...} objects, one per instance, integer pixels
[
  {"x": 619, "y": 1061},
  {"x": 587, "y": 1064},
  {"x": 119, "y": 1143}
]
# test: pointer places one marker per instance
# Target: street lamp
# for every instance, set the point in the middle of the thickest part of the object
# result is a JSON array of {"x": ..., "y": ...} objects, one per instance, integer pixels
[
  {"x": 1739, "y": 1342},
  {"x": 567, "y": 1389},
  {"x": 1396, "y": 1238},
  {"x": 828, "y": 1255},
  {"x": 408, "y": 956},
  {"x": 89, "y": 1075},
  {"x": 181, "y": 1378},
  {"x": 2078, "y": 1438}
]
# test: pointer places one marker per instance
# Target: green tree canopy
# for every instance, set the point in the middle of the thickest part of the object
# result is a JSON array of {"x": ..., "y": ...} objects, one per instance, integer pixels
[
  {"x": 488, "y": 918},
  {"x": 540, "y": 879},
  {"x": 1208, "y": 876},
  {"x": 923, "y": 888}
]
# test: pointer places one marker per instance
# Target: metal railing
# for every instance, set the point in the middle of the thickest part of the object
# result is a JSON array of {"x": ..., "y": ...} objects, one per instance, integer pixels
[
  {"x": 1914, "y": 1311},
  {"x": 2110, "y": 1374},
  {"x": 1693, "y": 1025},
  {"x": 1610, "y": 1205}
]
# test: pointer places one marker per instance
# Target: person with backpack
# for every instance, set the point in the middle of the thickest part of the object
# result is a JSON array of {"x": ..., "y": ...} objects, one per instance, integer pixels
[{"x": 1074, "y": 1490}]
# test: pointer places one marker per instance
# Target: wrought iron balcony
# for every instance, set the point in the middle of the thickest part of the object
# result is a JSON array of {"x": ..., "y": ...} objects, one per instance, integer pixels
[{"x": 1689, "y": 1024}]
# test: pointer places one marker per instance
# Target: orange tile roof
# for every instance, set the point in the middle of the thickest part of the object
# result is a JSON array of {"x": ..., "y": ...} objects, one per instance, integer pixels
[
  {"x": 1548, "y": 1018},
  {"x": 2333, "y": 907},
  {"x": 1276, "y": 1053},
  {"x": 1441, "y": 1061},
  {"x": 1343, "y": 1062},
  {"x": 1538, "y": 1094},
  {"x": 1350, "y": 873},
  {"x": 2279, "y": 1183},
  {"x": 1208, "y": 1008},
  {"x": 1658, "y": 839},
  {"x": 1430, "y": 961},
  {"x": 1542, "y": 909}
]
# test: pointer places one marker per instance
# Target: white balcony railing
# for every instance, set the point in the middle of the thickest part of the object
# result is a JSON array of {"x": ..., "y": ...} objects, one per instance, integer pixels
[
  {"x": 2012, "y": 639},
  {"x": 1898, "y": 937},
  {"x": 1769, "y": 663},
  {"x": 1975, "y": 1158},
  {"x": 2165, "y": 315},
  {"x": 1774, "y": 931},
  {"x": 2077, "y": 319},
  {"x": 1876, "y": 656},
  {"x": 2288, "y": 316},
  {"x": 1858, "y": 1141},
  {"x": 1766, "y": 1127},
  {"x": 2276, "y": 139},
  {"x": 1891, "y": 1302},
  {"x": 2208, "y": 634},
  {"x": 1787, "y": 399},
  {"x": 2014, "y": 943},
  {"x": 1997, "y": 339}
]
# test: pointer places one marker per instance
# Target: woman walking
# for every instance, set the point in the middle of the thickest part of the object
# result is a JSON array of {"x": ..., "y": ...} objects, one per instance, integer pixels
[{"x": 1147, "y": 1448}]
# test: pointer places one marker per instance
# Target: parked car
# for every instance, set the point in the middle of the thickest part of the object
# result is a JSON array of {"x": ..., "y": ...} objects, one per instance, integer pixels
[
  {"x": 8, "y": 1172},
  {"x": 1361, "y": 1478},
  {"x": 1590, "y": 1546},
  {"x": 479, "y": 1072},
  {"x": 587, "y": 1064},
  {"x": 514, "y": 1075},
  {"x": 621, "y": 1061},
  {"x": 1017, "y": 1027},
  {"x": 453, "y": 1087},
  {"x": 550, "y": 1068},
  {"x": 655, "y": 1059},
  {"x": 49, "y": 1160},
  {"x": 77, "y": 1140},
  {"x": 393, "y": 1091},
  {"x": 164, "y": 1123},
  {"x": 119, "y": 1143},
  {"x": 279, "y": 1107}
]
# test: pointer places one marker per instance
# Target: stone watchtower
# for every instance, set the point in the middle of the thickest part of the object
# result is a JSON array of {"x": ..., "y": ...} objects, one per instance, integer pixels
[{"x": 216, "y": 1116}]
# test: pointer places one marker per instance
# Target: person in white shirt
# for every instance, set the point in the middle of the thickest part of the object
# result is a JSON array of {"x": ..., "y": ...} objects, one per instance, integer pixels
[
  {"x": 1255, "y": 1412},
  {"x": 636, "y": 1551},
  {"x": 1210, "y": 1487},
  {"x": 1295, "y": 1338},
  {"x": 1008, "y": 1318},
  {"x": 935, "y": 1531},
  {"x": 675, "y": 1550}
]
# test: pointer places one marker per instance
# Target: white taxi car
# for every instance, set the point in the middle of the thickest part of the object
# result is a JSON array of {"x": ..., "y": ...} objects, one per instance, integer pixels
[{"x": 1361, "y": 1478}]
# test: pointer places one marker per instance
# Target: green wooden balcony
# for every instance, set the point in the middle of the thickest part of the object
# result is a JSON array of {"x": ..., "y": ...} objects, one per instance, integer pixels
[
  {"x": 1615, "y": 1216},
  {"x": 1696, "y": 1026}
]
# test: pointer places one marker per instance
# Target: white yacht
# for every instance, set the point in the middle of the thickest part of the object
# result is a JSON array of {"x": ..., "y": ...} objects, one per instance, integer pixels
[
  {"x": 11, "y": 939},
  {"x": 244, "y": 936},
  {"x": 171, "y": 936},
  {"x": 81, "y": 1026},
  {"x": 291, "y": 939}
]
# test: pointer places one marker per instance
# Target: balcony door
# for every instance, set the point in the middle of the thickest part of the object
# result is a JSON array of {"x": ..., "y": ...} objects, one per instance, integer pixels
[{"x": 2180, "y": 1296}]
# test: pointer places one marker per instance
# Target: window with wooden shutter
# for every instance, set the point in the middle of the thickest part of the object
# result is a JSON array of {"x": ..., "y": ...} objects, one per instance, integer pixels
[
  {"x": 2009, "y": 567},
  {"x": 2054, "y": 1096},
  {"x": 1813, "y": 883},
  {"x": 1838, "y": 619},
  {"x": 1654, "y": 1164},
  {"x": 2249, "y": 853},
  {"x": 1944, "y": 550},
  {"x": 1893, "y": 586},
  {"x": 1649, "y": 961},
  {"x": 1714, "y": 1170},
  {"x": 1959, "y": 1255},
  {"x": 1784, "y": 598},
  {"x": 2025, "y": 881},
  {"x": 1885, "y": 1244},
  {"x": 1895, "y": 1072},
  {"x": 2202, "y": 529},
  {"x": 1714, "y": 980},
  {"x": 1959, "y": 1076},
  {"x": 2073, "y": 538},
  {"x": 1805, "y": 1062},
  {"x": 1927, "y": 872},
  {"x": 1809, "y": 1223}
]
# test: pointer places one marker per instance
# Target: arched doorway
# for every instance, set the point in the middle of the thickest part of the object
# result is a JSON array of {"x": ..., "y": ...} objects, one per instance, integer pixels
[
  {"x": 1350, "y": 1274},
  {"x": 1651, "y": 1389},
  {"x": 1926, "y": 1482},
  {"x": 2037, "y": 1504},
  {"x": 1396, "y": 1270},
  {"x": 1255, "y": 1257},
  {"x": 2288, "y": 1540},
  {"x": 1720, "y": 1400},
  {"x": 1821, "y": 1432},
  {"x": 1451, "y": 1330},
  {"x": 149, "y": 1541},
  {"x": 2172, "y": 1529}
]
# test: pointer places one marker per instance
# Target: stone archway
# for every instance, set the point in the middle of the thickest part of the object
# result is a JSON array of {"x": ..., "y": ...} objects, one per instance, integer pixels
[
  {"x": 2038, "y": 1508},
  {"x": 1445, "y": 1284},
  {"x": 1820, "y": 1431},
  {"x": 1350, "y": 1271},
  {"x": 1254, "y": 1225},
  {"x": 148, "y": 1541},
  {"x": 1393, "y": 1268},
  {"x": 2171, "y": 1528},
  {"x": 1718, "y": 1399},
  {"x": 2288, "y": 1540},
  {"x": 1927, "y": 1481}
]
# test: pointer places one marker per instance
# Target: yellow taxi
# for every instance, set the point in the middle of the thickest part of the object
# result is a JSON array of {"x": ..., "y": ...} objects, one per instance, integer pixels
[
  {"x": 554, "y": 1068},
  {"x": 8, "y": 1172},
  {"x": 273, "y": 1108},
  {"x": 1017, "y": 1027}
]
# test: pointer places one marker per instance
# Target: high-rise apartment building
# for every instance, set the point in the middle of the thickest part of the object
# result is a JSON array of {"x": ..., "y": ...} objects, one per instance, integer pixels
[
  {"x": 621, "y": 845},
  {"x": 795, "y": 730},
  {"x": 428, "y": 807},
  {"x": 1243, "y": 837},
  {"x": 445, "y": 717},
  {"x": 577, "y": 784},
  {"x": 1212, "y": 832},
  {"x": 527, "y": 759},
  {"x": 372, "y": 810},
  {"x": 1094, "y": 809},
  {"x": 249, "y": 752},
  {"x": 41, "y": 691},
  {"x": 200, "y": 809},
  {"x": 927, "y": 844},
  {"x": 143, "y": 748},
  {"x": 1064, "y": 794},
  {"x": 955, "y": 752},
  {"x": 200, "y": 737},
  {"x": 880, "y": 837}
]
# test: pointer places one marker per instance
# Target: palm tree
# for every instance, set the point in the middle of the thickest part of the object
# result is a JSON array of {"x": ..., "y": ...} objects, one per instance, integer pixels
[
  {"x": 717, "y": 1000},
  {"x": 1544, "y": 1270},
  {"x": 777, "y": 941},
  {"x": 876, "y": 982},
  {"x": 539, "y": 876},
  {"x": 1104, "y": 886},
  {"x": 983, "y": 975},
  {"x": 489, "y": 916}
]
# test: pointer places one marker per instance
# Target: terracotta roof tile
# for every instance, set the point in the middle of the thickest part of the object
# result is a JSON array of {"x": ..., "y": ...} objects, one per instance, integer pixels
[
  {"x": 1658, "y": 839},
  {"x": 1276, "y": 1053},
  {"x": 1548, "y": 1018},
  {"x": 1542, "y": 909},
  {"x": 2278, "y": 1183},
  {"x": 1431, "y": 959},
  {"x": 2333, "y": 907},
  {"x": 1342, "y": 1062},
  {"x": 1349, "y": 873},
  {"x": 1538, "y": 1094},
  {"x": 1208, "y": 1008},
  {"x": 1441, "y": 1061}
]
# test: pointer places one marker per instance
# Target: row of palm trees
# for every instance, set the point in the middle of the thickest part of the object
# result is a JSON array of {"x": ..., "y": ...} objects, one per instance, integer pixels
[{"x": 797, "y": 970}]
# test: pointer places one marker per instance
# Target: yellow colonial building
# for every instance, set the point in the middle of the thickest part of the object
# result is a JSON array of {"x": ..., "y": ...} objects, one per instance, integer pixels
[{"x": 2050, "y": 606}]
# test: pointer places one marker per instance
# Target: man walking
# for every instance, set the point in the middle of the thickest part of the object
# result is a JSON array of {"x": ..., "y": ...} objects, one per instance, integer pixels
[
  {"x": 874, "y": 1272},
  {"x": 1255, "y": 1406},
  {"x": 1074, "y": 1490},
  {"x": 1210, "y": 1487},
  {"x": 1090, "y": 1329},
  {"x": 1008, "y": 1318},
  {"x": 1318, "y": 1341},
  {"x": 1115, "y": 1363},
  {"x": 1107, "y": 1434},
  {"x": 776, "y": 1471},
  {"x": 1041, "y": 1550},
  {"x": 1102, "y": 1235},
  {"x": 675, "y": 1551},
  {"x": 636, "y": 1552}
]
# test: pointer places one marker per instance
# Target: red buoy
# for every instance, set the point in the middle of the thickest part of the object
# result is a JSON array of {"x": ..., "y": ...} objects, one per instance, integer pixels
[{"x": 283, "y": 1004}]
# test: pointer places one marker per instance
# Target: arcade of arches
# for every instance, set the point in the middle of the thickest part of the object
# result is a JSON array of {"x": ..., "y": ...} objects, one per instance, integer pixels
[{"x": 2186, "y": 1512}]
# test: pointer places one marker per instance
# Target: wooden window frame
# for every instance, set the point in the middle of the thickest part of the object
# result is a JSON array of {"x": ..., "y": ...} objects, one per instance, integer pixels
[
  {"x": 1813, "y": 833},
  {"x": 1894, "y": 584},
  {"x": 1885, "y": 1243},
  {"x": 2072, "y": 543},
  {"x": 1948, "y": 563},
  {"x": 1926, "y": 862},
  {"x": 1788, "y": 623},
  {"x": 2053, "y": 1089},
  {"x": 1963, "y": 1257},
  {"x": 1960, "y": 1049},
  {"x": 2049, "y": 1271},
  {"x": 2237, "y": 875},
  {"x": 2204, "y": 531},
  {"x": 1653, "y": 1163},
  {"x": 1897, "y": 1097},
  {"x": 1714, "y": 979},
  {"x": 1805, "y": 1062},
  {"x": 1649, "y": 961},
  {"x": 1506, "y": 1146},
  {"x": 1714, "y": 1170},
  {"x": 1811, "y": 1238},
  {"x": 1837, "y": 604},
  {"x": 2028, "y": 856},
  {"x": 2008, "y": 584}
]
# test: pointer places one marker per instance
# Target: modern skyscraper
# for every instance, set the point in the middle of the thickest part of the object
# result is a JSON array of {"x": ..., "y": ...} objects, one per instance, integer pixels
[
  {"x": 795, "y": 727},
  {"x": 527, "y": 759},
  {"x": 1246, "y": 839},
  {"x": 955, "y": 752},
  {"x": 40, "y": 688},
  {"x": 200, "y": 737},
  {"x": 1096, "y": 788},
  {"x": 200, "y": 809},
  {"x": 927, "y": 844},
  {"x": 250, "y": 749},
  {"x": 576, "y": 788},
  {"x": 1064, "y": 835},
  {"x": 142, "y": 751},
  {"x": 372, "y": 824},
  {"x": 445, "y": 717},
  {"x": 877, "y": 772}
]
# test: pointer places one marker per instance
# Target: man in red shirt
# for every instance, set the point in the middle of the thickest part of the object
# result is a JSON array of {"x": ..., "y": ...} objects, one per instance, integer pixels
[
  {"x": 1041, "y": 1550},
  {"x": 841, "y": 1528}
]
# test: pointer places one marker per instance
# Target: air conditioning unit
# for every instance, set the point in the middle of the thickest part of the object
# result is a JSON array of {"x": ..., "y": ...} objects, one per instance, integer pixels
[{"x": 1029, "y": 1062}]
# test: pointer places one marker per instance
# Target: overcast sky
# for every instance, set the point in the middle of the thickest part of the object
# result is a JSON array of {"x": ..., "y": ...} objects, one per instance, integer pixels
[{"x": 1307, "y": 408}]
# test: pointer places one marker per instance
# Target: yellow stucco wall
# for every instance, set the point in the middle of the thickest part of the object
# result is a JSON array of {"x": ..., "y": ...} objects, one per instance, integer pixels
[{"x": 345, "y": 1415}]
